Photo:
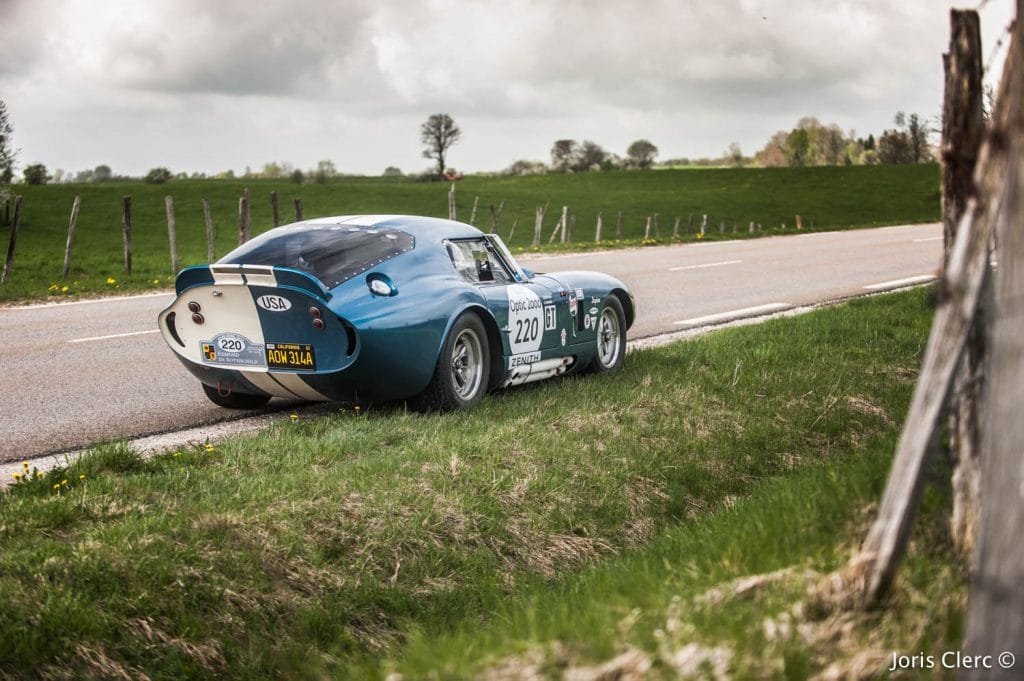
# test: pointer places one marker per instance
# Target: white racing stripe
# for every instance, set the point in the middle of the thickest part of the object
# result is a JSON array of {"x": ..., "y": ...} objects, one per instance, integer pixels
[
  {"x": 734, "y": 314},
  {"x": 293, "y": 383},
  {"x": 113, "y": 335},
  {"x": 700, "y": 267},
  {"x": 896, "y": 283}
]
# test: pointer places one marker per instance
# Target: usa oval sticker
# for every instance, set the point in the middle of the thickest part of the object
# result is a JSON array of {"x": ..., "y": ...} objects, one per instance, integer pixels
[{"x": 274, "y": 303}]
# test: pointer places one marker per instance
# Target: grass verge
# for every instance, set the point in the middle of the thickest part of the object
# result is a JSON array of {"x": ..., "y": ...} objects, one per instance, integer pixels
[
  {"x": 319, "y": 547},
  {"x": 828, "y": 198}
]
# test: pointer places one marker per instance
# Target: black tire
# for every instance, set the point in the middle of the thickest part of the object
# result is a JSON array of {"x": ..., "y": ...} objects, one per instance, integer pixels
[
  {"x": 235, "y": 400},
  {"x": 610, "y": 352},
  {"x": 463, "y": 369}
]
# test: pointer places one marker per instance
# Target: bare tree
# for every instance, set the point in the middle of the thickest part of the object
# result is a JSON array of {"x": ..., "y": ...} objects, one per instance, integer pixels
[{"x": 439, "y": 133}]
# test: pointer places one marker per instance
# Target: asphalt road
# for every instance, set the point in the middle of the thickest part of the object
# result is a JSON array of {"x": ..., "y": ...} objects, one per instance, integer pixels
[{"x": 73, "y": 374}]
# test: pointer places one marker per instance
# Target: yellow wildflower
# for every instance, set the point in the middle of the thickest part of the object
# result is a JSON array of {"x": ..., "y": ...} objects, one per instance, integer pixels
[
  {"x": 111, "y": 281},
  {"x": 295, "y": 417},
  {"x": 64, "y": 289},
  {"x": 17, "y": 476},
  {"x": 81, "y": 477}
]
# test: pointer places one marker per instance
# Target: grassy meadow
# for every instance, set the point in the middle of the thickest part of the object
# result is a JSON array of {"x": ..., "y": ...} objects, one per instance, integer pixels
[
  {"x": 562, "y": 525},
  {"x": 830, "y": 198}
]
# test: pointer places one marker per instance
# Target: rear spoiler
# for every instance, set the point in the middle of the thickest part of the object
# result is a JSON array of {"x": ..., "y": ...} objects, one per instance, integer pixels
[{"x": 256, "y": 275}]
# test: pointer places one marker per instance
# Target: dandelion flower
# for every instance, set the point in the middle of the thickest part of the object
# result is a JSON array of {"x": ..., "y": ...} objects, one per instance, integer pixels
[
  {"x": 24, "y": 465},
  {"x": 64, "y": 483},
  {"x": 81, "y": 477},
  {"x": 111, "y": 281},
  {"x": 64, "y": 289},
  {"x": 56, "y": 485},
  {"x": 17, "y": 476},
  {"x": 295, "y": 417},
  {"x": 39, "y": 474}
]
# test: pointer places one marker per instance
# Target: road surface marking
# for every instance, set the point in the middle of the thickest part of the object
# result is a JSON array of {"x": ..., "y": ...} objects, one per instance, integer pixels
[
  {"x": 931, "y": 238},
  {"x": 108, "y": 299},
  {"x": 698, "y": 267},
  {"x": 735, "y": 314},
  {"x": 920, "y": 279},
  {"x": 113, "y": 335}
]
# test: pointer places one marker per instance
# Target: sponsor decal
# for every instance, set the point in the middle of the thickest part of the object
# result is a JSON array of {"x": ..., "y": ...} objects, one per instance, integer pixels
[
  {"x": 273, "y": 303},
  {"x": 524, "y": 319},
  {"x": 593, "y": 322},
  {"x": 593, "y": 310},
  {"x": 563, "y": 338},
  {"x": 549, "y": 318},
  {"x": 579, "y": 293},
  {"x": 232, "y": 349},
  {"x": 572, "y": 306},
  {"x": 595, "y": 300},
  {"x": 586, "y": 322},
  {"x": 523, "y": 359}
]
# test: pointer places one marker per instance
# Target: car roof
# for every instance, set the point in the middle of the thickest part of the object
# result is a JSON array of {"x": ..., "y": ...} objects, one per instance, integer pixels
[{"x": 424, "y": 229}]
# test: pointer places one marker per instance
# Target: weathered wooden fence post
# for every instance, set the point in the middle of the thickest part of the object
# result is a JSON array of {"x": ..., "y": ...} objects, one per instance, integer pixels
[
  {"x": 538, "y": 224},
  {"x": 208, "y": 220},
  {"x": 675, "y": 228},
  {"x": 126, "y": 231},
  {"x": 512, "y": 231},
  {"x": 597, "y": 228},
  {"x": 572, "y": 228},
  {"x": 647, "y": 229},
  {"x": 657, "y": 227},
  {"x": 172, "y": 235},
  {"x": 472, "y": 213},
  {"x": 751, "y": 230},
  {"x": 618, "y": 227},
  {"x": 496, "y": 215},
  {"x": 963, "y": 126},
  {"x": 451, "y": 202},
  {"x": 274, "y": 208},
  {"x": 689, "y": 224},
  {"x": 243, "y": 217},
  {"x": 721, "y": 227},
  {"x": 703, "y": 224},
  {"x": 9, "y": 262},
  {"x": 565, "y": 221},
  {"x": 799, "y": 222},
  {"x": 72, "y": 223},
  {"x": 298, "y": 209}
]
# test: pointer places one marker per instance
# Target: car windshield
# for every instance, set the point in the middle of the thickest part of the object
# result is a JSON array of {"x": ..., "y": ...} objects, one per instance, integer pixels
[{"x": 331, "y": 253}]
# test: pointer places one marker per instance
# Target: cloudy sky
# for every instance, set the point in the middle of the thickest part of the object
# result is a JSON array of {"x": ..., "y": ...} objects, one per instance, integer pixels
[{"x": 201, "y": 85}]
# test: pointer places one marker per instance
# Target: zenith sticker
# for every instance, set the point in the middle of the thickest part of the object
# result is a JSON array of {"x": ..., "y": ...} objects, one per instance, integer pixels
[
  {"x": 232, "y": 349},
  {"x": 523, "y": 359}
]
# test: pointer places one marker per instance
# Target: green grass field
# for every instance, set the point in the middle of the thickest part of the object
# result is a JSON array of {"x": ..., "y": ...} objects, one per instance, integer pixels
[
  {"x": 530, "y": 527},
  {"x": 829, "y": 198}
]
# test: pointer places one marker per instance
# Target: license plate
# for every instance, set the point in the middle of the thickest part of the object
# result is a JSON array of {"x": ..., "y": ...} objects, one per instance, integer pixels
[{"x": 291, "y": 356}]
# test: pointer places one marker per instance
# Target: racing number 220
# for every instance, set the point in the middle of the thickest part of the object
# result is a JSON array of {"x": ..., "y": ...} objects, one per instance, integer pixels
[{"x": 527, "y": 330}]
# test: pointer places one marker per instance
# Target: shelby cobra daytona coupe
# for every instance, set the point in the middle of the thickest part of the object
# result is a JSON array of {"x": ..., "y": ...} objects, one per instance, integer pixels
[{"x": 369, "y": 307}]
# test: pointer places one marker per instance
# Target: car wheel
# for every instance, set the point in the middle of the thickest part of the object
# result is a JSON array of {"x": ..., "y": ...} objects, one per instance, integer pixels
[
  {"x": 611, "y": 338},
  {"x": 235, "y": 400},
  {"x": 462, "y": 373}
]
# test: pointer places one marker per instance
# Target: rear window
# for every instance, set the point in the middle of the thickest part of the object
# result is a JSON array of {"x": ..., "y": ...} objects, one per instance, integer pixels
[{"x": 331, "y": 253}]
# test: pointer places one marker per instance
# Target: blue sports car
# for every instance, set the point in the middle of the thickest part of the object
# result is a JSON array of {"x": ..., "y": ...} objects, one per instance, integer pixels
[{"x": 373, "y": 308}]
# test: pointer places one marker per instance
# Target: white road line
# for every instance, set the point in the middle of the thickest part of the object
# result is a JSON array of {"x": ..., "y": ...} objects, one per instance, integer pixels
[
  {"x": 113, "y": 335},
  {"x": 931, "y": 238},
  {"x": 108, "y": 299},
  {"x": 920, "y": 279},
  {"x": 699, "y": 267},
  {"x": 735, "y": 314}
]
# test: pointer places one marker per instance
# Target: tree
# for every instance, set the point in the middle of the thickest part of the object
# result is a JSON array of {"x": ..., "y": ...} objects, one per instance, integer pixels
[
  {"x": 7, "y": 153},
  {"x": 798, "y": 147},
  {"x": 734, "y": 154},
  {"x": 298, "y": 177},
  {"x": 894, "y": 147},
  {"x": 590, "y": 156},
  {"x": 36, "y": 174},
  {"x": 917, "y": 133},
  {"x": 641, "y": 154},
  {"x": 563, "y": 155},
  {"x": 325, "y": 170},
  {"x": 439, "y": 133},
  {"x": 102, "y": 173},
  {"x": 158, "y": 175},
  {"x": 392, "y": 171}
]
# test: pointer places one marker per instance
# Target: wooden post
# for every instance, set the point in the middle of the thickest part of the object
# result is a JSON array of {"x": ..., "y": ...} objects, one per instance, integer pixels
[
  {"x": 172, "y": 235},
  {"x": 243, "y": 217},
  {"x": 9, "y": 263},
  {"x": 703, "y": 224},
  {"x": 734, "y": 228},
  {"x": 72, "y": 223},
  {"x": 513, "y": 230},
  {"x": 565, "y": 221},
  {"x": 572, "y": 228},
  {"x": 751, "y": 230},
  {"x": 538, "y": 224},
  {"x": 657, "y": 227},
  {"x": 597, "y": 228},
  {"x": 273, "y": 208},
  {"x": 799, "y": 223},
  {"x": 126, "y": 231},
  {"x": 721, "y": 227},
  {"x": 298, "y": 209},
  {"x": 675, "y": 228},
  {"x": 496, "y": 215},
  {"x": 209, "y": 229},
  {"x": 963, "y": 125},
  {"x": 689, "y": 224},
  {"x": 472, "y": 213},
  {"x": 618, "y": 227},
  {"x": 451, "y": 202},
  {"x": 647, "y": 229}
]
